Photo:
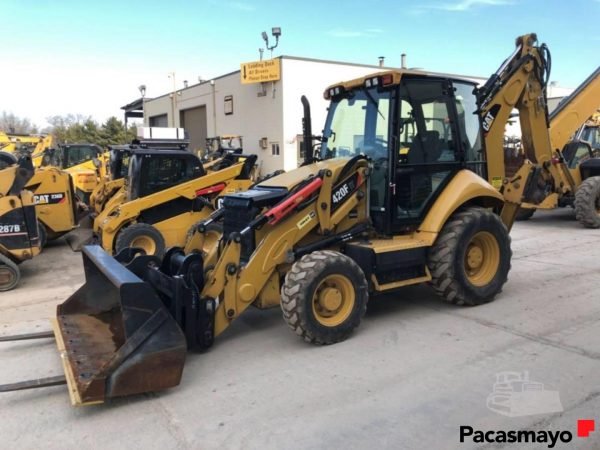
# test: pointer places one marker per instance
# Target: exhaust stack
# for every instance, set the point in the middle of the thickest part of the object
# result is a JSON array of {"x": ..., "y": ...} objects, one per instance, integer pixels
[{"x": 307, "y": 135}]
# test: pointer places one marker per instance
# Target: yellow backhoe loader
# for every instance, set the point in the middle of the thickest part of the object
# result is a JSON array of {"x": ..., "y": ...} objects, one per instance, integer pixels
[
  {"x": 19, "y": 239},
  {"x": 395, "y": 195}
]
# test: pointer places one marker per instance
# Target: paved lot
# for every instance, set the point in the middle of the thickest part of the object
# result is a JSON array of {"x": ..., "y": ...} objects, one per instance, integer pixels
[{"x": 414, "y": 372}]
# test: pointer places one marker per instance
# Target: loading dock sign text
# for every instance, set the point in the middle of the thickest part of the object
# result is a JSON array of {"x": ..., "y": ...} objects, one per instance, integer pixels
[{"x": 260, "y": 71}]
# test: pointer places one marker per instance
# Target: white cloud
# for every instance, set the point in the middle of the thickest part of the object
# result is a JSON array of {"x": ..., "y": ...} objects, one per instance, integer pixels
[
  {"x": 379, "y": 30},
  {"x": 241, "y": 6},
  {"x": 465, "y": 5}
]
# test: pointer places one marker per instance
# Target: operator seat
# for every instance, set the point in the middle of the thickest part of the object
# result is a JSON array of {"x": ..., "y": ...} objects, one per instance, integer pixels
[{"x": 413, "y": 184}]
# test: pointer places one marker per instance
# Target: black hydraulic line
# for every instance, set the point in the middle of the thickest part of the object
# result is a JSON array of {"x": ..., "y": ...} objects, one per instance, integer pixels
[{"x": 331, "y": 240}]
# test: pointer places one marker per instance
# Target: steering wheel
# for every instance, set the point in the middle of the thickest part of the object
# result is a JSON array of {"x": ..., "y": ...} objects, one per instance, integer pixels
[{"x": 377, "y": 149}]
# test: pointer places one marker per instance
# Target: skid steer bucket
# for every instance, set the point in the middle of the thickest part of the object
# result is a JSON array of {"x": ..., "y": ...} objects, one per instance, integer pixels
[{"x": 115, "y": 336}]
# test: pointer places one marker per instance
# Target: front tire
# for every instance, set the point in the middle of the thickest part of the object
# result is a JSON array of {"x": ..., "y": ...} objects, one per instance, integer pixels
[
  {"x": 470, "y": 260},
  {"x": 324, "y": 297},
  {"x": 587, "y": 203},
  {"x": 141, "y": 235},
  {"x": 213, "y": 233},
  {"x": 9, "y": 274}
]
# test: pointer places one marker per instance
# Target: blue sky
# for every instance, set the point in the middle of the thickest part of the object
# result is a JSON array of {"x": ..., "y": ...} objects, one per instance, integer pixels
[{"x": 88, "y": 57}]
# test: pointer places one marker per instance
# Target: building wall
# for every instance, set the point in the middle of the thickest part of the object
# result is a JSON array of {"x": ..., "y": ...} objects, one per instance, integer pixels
[
  {"x": 310, "y": 78},
  {"x": 254, "y": 117}
]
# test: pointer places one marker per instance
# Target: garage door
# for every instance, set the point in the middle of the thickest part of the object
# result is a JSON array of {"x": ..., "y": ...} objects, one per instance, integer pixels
[
  {"x": 194, "y": 122},
  {"x": 159, "y": 121}
]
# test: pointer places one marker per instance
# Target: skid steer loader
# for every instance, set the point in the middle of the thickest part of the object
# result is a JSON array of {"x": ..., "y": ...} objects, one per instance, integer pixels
[
  {"x": 394, "y": 195},
  {"x": 118, "y": 169},
  {"x": 167, "y": 191},
  {"x": 18, "y": 226}
]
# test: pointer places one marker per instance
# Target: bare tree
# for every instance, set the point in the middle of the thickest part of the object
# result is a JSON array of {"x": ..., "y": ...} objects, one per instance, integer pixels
[{"x": 10, "y": 123}]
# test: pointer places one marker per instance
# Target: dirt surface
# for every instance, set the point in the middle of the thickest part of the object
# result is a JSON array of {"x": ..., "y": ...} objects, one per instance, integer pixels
[{"x": 413, "y": 373}]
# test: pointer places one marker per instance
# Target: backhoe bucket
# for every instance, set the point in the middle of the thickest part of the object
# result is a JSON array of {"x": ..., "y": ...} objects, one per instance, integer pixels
[{"x": 115, "y": 336}]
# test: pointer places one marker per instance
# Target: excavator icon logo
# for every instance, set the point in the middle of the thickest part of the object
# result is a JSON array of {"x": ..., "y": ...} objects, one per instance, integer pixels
[{"x": 515, "y": 395}]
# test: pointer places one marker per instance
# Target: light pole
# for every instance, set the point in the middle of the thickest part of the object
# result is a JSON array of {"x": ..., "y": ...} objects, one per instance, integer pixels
[
  {"x": 142, "y": 89},
  {"x": 276, "y": 32},
  {"x": 173, "y": 98}
]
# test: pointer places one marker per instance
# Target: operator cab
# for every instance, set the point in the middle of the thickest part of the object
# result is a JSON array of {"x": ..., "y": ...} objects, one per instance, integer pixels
[
  {"x": 70, "y": 155},
  {"x": 152, "y": 171},
  {"x": 418, "y": 130},
  {"x": 119, "y": 154}
]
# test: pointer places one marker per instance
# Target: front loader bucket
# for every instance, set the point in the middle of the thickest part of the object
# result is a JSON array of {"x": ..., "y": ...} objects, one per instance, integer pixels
[{"x": 115, "y": 336}]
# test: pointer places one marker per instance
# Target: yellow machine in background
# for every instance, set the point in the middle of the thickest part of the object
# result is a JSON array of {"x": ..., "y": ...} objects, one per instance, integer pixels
[
  {"x": 57, "y": 207},
  {"x": 18, "y": 226},
  {"x": 85, "y": 162},
  {"x": 167, "y": 191},
  {"x": 33, "y": 145},
  {"x": 590, "y": 133},
  {"x": 576, "y": 180}
]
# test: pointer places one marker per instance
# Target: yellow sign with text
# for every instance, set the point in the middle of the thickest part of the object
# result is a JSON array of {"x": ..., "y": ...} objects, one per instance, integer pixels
[{"x": 260, "y": 71}]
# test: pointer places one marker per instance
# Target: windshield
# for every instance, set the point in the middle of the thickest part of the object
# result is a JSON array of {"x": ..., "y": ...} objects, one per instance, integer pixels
[
  {"x": 357, "y": 123},
  {"x": 591, "y": 135},
  {"x": 119, "y": 164}
]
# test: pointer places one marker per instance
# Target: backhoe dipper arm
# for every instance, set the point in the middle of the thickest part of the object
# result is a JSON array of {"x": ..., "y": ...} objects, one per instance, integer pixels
[{"x": 521, "y": 83}]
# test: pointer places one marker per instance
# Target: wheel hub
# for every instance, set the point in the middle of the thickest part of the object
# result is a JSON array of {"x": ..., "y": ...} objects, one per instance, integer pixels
[
  {"x": 333, "y": 300},
  {"x": 474, "y": 257},
  {"x": 482, "y": 258},
  {"x": 6, "y": 276},
  {"x": 330, "y": 298},
  {"x": 145, "y": 243}
]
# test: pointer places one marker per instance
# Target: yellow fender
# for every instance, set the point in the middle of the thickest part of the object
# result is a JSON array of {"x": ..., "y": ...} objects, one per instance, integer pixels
[{"x": 465, "y": 187}]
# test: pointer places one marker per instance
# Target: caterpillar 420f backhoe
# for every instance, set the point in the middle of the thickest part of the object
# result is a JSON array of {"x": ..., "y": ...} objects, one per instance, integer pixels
[{"x": 395, "y": 195}]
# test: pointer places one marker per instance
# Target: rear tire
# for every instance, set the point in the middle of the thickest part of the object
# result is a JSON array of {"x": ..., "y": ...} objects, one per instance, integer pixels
[
  {"x": 587, "y": 203},
  {"x": 470, "y": 259},
  {"x": 524, "y": 214},
  {"x": 324, "y": 297},
  {"x": 141, "y": 235},
  {"x": 9, "y": 274},
  {"x": 43, "y": 235}
]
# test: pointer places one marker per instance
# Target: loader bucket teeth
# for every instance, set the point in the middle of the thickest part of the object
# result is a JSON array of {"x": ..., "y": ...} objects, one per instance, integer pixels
[{"x": 115, "y": 336}]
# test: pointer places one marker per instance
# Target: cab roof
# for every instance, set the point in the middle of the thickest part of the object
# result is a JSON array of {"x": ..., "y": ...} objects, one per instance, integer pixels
[{"x": 396, "y": 75}]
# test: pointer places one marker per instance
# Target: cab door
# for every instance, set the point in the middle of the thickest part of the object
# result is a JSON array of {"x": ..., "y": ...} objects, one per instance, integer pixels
[{"x": 428, "y": 153}]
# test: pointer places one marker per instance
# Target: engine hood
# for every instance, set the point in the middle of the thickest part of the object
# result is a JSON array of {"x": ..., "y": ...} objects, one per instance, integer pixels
[{"x": 290, "y": 179}]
